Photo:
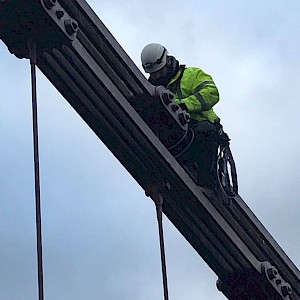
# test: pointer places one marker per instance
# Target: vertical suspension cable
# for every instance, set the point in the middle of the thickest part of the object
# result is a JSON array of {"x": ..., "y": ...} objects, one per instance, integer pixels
[
  {"x": 153, "y": 190},
  {"x": 33, "y": 57},
  {"x": 158, "y": 204}
]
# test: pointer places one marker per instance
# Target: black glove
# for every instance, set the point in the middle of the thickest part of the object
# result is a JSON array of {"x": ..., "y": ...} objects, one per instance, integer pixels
[{"x": 183, "y": 106}]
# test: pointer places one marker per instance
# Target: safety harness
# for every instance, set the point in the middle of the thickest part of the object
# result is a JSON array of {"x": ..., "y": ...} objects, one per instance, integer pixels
[{"x": 174, "y": 87}]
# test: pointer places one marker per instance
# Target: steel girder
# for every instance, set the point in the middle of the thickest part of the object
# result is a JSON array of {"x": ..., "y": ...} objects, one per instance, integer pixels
[{"x": 90, "y": 69}]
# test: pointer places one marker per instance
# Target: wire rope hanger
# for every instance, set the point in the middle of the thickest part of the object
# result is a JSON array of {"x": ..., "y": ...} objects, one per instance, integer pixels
[
  {"x": 31, "y": 44},
  {"x": 155, "y": 191}
]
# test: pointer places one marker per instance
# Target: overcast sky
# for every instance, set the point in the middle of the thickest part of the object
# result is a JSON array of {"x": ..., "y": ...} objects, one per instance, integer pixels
[{"x": 99, "y": 230}]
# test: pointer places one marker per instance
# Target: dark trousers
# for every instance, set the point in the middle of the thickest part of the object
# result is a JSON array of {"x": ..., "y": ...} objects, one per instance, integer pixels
[{"x": 201, "y": 158}]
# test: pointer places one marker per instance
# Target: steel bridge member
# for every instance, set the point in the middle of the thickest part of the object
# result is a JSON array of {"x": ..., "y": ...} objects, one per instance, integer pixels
[{"x": 194, "y": 91}]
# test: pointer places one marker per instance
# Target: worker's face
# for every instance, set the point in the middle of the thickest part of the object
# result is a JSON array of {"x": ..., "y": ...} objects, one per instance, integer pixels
[{"x": 161, "y": 73}]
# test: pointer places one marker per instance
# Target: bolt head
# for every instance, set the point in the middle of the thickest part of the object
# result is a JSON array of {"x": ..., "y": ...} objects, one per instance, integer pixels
[
  {"x": 50, "y": 3},
  {"x": 174, "y": 107},
  {"x": 272, "y": 273},
  {"x": 71, "y": 26},
  {"x": 182, "y": 118},
  {"x": 166, "y": 98},
  {"x": 286, "y": 290}
]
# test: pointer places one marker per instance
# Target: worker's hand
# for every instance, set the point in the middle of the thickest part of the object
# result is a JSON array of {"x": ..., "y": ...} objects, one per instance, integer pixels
[{"x": 183, "y": 106}]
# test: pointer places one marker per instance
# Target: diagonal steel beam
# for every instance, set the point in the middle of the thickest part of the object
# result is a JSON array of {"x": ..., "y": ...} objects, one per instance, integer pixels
[{"x": 90, "y": 69}]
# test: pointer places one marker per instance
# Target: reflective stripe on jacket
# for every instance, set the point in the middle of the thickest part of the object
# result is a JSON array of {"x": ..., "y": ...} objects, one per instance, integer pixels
[{"x": 197, "y": 91}]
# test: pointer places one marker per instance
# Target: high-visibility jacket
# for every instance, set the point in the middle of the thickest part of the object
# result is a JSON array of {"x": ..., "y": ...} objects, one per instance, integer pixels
[{"x": 197, "y": 91}]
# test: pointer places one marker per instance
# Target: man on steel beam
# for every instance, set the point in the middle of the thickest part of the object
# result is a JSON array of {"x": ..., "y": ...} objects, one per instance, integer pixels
[{"x": 195, "y": 92}]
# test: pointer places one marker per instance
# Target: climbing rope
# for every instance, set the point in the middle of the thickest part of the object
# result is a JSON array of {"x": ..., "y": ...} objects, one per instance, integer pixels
[{"x": 33, "y": 57}]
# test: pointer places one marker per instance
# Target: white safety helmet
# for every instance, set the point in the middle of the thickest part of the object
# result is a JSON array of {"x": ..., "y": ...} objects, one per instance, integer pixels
[{"x": 154, "y": 57}]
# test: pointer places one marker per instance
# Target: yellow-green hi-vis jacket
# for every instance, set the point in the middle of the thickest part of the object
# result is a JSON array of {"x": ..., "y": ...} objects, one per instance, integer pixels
[{"x": 197, "y": 91}]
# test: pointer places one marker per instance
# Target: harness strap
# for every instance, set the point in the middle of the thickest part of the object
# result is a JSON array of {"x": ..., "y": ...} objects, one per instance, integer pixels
[{"x": 174, "y": 87}]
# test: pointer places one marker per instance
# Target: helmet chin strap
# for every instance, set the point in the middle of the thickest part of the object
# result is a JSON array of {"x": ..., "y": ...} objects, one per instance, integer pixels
[{"x": 175, "y": 65}]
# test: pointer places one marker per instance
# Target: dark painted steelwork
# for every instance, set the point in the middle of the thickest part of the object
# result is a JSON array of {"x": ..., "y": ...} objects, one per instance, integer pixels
[{"x": 89, "y": 68}]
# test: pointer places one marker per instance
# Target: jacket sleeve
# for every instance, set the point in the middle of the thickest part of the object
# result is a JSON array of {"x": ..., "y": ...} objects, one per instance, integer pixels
[{"x": 199, "y": 92}]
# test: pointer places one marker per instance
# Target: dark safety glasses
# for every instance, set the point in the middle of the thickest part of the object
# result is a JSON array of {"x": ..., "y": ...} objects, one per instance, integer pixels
[{"x": 157, "y": 62}]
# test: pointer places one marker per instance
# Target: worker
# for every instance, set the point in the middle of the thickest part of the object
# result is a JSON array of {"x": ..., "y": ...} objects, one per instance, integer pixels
[{"x": 195, "y": 92}]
